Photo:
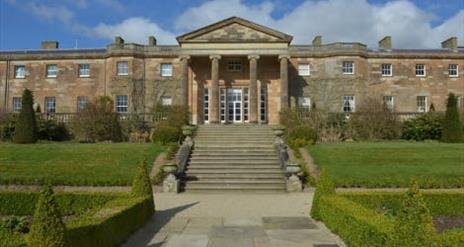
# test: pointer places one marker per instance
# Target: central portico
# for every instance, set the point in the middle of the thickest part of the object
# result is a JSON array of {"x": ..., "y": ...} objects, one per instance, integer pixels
[{"x": 234, "y": 71}]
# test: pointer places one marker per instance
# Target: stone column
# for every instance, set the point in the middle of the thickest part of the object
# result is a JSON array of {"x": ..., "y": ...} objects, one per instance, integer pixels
[
  {"x": 214, "y": 88},
  {"x": 284, "y": 81},
  {"x": 253, "y": 90},
  {"x": 184, "y": 60}
]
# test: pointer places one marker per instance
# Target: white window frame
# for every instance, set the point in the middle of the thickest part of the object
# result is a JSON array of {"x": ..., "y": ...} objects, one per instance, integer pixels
[
  {"x": 166, "y": 100},
  {"x": 423, "y": 69},
  {"x": 419, "y": 106},
  {"x": 52, "y": 73},
  {"x": 23, "y": 71},
  {"x": 351, "y": 102},
  {"x": 85, "y": 70},
  {"x": 304, "y": 103},
  {"x": 389, "y": 102},
  {"x": 166, "y": 69},
  {"x": 456, "y": 69},
  {"x": 387, "y": 69},
  {"x": 17, "y": 104},
  {"x": 81, "y": 103},
  {"x": 122, "y": 70},
  {"x": 122, "y": 103},
  {"x": 50, "y": 104},
  {"x": 304, "y": 69},
  {"x": 347, "y": 66},
  {"x": 234, "y": 65}
]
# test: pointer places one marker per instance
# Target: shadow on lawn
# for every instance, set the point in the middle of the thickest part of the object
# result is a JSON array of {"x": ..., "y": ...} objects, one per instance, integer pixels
[{"x": 144, "y": 235}]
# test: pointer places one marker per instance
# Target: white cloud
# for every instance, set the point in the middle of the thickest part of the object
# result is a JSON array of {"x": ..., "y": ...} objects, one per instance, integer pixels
[
  {"x": 135, "y": 29},
  {"x": 50, "y": 13},
  {"x": 336, "y": 20}
]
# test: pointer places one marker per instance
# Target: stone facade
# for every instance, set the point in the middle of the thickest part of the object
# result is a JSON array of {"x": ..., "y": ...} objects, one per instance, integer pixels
[{"x": 205, "y": 58}]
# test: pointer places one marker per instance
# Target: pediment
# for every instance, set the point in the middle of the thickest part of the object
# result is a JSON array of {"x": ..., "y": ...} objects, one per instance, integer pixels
[{"x": 235, "y": 30}]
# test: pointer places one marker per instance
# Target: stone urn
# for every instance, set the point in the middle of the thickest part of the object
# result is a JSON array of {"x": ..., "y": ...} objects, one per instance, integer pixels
[
  {"x": 293, "y": 168},
  {"x": 170, "y": 168},
  {"x": 278, "y": 131}
]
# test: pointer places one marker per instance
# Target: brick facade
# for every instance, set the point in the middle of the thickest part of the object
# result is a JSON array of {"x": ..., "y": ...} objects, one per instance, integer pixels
[{"x": 236, "y": 40}]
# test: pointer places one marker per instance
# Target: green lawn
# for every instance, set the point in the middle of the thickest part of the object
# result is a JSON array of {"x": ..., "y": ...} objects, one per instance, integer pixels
[
  {"x": 73, "y": 163},
  {"x": 392, "y": 164}
]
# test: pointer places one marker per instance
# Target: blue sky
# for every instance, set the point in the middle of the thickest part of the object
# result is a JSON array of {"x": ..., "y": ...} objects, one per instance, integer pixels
[{"x": 94, "y": 23}]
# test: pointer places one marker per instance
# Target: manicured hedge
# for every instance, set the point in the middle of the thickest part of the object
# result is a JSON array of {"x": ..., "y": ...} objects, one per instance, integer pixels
[
  {"x": 104, "y": 219},
  {"x": 112, "y": 225},
  {"x": 452, "y": 238},
  {"x": 439, "y": 203},
  {"x": 355, "y": 224},
  {"x": 23, "y": 203}
]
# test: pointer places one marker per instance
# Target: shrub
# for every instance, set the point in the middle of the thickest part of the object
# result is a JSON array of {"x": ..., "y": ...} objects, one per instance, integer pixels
[
  {"x": 300, "y": 136},
  {"x": 452, "y": 238},
  {"x": 424, "y": 127},
  {"x": 356, "y": 225},
  {"x": 18, "y": 224},
  {"x": 7, "y": 126},
  {"x": 452, "y": 128},
  {"x": 141, "y": 184},
  {"x": 413, "y": 224},
  {"x": 26, "y": 127},
  {"x": 165, "y": 134},
  {"x": 97, "y": 122},
  {"x": 325, "y": 186},
  {"x": 51, "y": 130},
  {"x": 374, "y": 121},
  {"x": 47, "y": 229}
]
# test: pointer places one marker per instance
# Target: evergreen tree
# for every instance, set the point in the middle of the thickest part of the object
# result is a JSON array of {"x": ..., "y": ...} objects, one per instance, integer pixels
[
  {"x": 141, "y": 185},
  {"x": 26, "y": 126},
  {"x": 452, "y": 128},
  {"x": 47, "y": 229},
  {"x": 325, "y": 186},
  {"x": 413, "y": 224}
]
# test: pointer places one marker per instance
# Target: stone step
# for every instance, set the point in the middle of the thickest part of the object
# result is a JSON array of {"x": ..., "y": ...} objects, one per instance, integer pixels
[
  {"x": 234, "y": 146},
  {"x": 231, "y": 153},
  {"x": 235, "y": 188},
  {"x": 234, "y": 162},
  {"x": 239, "y": 170},
  {"x": 234, "y": 138},
  {"x": 234, "y": 142},
  {"x": 235, "y": 176},
  {"x": 233, "y": 167},
  {"x": 234, "y": 157},
  {"x": 237, "y": 181}
]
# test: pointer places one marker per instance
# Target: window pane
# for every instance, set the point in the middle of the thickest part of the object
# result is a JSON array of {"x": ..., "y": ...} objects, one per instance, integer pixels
[
  {"x": 166, "y": 69},
  {"x": 123, "y": 68},
  {"x": 421, "y": 104},
  {"x": 84, "y": 70},
  {"x": 453, "y": 70},
  {"x": 304, "y": 69},
  {"x": 52, "y": 70},
  {"x": 17, "y": 104},
  {"x": 50, "y": 105},
  {"x": 348, "y": 67},
  {"x": 81, "y": 103},
  {"x": 122, "y": 103},
  {"x": 20, "y": 71},
  {"x": 166, "y": 101}
]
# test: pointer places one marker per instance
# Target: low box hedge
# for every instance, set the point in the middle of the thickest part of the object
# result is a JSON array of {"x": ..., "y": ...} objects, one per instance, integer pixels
[
  {"x": 452, "y": 238},
  {"x": 355, "y": 224},
  {"x": 102, "y": 219},
  {"x": 439, "y": 203}
]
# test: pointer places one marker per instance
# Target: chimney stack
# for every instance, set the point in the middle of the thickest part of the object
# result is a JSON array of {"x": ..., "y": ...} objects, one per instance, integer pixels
[
  {"x": 152, "y": 41},
  {"x": 118, "y": 40},
  {"x": 386, "y": 43},
  {"x": 317, "y": 41},
  {"x": 49, "y": 44},
  {"x": 451, "y": 43}
]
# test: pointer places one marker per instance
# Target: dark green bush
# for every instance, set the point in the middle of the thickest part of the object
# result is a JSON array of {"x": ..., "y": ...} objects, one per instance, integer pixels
[
  {"x": 97, "y": 122},
  {"x": 7, "y": 126},
  {"x": 356, "y": 225},
  {"x": 165, "y": 134},
  {"x": 413, "y": 224},
  {"x": 47, "y": 229},
  {"x": 300, "y": 136},
  {"x": 141, "y": 185},
  {"x": 51, "y": 130},
  {"x": 424, "y": 127},
  {"x": 19, "y": 224},
  {"x": 325, "y": 186},
  {"x": 26, "y": 126},
  {"x": 452, "y": 128}
]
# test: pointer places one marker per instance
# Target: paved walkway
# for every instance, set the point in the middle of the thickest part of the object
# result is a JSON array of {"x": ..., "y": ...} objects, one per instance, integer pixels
[{"x": 223, "y": 220}]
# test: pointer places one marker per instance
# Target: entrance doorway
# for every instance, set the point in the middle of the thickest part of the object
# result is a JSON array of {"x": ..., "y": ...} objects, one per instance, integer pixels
[{"x": 234, "y": 105}]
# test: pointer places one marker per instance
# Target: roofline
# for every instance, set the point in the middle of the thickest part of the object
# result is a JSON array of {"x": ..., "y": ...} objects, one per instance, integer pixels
[{"x": 286, "y": 37}]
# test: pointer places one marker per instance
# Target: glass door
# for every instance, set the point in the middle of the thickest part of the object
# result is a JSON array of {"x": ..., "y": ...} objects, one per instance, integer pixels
[{"x": 234, "y": 105}]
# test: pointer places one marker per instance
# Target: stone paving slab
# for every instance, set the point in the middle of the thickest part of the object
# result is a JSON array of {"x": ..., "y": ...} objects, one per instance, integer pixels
[{"x": 235, "y": 220}]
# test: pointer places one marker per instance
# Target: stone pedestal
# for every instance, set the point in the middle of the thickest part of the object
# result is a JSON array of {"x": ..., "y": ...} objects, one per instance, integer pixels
[
  {"x": 294, "y": 184},
  {"x": 171, "y": 184}
]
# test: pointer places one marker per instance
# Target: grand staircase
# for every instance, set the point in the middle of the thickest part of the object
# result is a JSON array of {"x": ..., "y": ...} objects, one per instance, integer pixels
[{"x": 234, "y": 158}]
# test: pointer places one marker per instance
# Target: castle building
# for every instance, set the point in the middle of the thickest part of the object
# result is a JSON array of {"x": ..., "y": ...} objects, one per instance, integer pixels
[{"x": 233, "y": 71}]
